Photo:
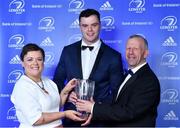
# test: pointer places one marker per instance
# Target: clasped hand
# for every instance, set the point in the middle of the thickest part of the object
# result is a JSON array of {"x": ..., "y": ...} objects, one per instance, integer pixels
[{"x": 82, "y": 106}]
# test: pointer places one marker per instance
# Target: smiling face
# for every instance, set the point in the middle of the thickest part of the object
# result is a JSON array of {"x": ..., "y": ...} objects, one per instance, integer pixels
[
  {"x": 33, "y": 64},
  {"x": 90, "y": 28},
  {"x": 136, "y": 52}
]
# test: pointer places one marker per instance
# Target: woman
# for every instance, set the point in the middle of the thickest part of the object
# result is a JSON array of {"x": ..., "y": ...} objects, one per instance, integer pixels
[{"x": 36, "y": 98}]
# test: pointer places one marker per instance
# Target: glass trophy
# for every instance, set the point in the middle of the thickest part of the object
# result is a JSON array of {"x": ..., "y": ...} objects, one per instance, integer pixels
[{"x": 84, "y": 91}]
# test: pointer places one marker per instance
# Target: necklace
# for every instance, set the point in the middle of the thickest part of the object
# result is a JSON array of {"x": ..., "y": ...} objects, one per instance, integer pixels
[{"x": 42, "y": 87}]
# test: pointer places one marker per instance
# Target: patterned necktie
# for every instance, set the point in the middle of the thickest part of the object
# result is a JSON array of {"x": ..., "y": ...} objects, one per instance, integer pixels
[{"x": 84, "y": 47}]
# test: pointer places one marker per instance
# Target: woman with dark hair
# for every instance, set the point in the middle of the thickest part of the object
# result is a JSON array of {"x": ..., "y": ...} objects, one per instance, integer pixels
[{"x": 36, "y": 98}]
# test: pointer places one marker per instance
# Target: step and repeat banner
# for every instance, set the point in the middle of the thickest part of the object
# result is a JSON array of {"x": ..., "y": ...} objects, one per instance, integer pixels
[{"x": 52, "y": 24}]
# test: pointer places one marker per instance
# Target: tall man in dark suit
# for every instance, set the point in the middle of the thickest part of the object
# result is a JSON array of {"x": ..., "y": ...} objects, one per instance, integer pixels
[
  {"x": 136, "y": 101},
  {"x": 91, "y": 59}
]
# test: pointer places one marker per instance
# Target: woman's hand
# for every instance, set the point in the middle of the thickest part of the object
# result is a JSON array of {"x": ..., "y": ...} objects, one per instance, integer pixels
[
  {"x": 72, "y": 98},
  {"x": 69, "y": 86},
  {"x": 73, "y": 115},
  {"x": 67, "y": 89}
]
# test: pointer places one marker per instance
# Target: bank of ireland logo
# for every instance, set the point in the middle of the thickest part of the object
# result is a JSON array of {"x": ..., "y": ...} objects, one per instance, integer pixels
[
  {"x": 75, "y": 38},
  {"x": 46, "y": 24},
  {"x": 108, "y": 23},
  {"x": 14, "y": 76},
  {"x": 170, "y": 96},
  {"x": 76, "y": 6},
  {"x": 49, "y": 59},
  {"x": 11, "y": 114},
  {"x": 169, "y": 23},
  {"x": 16, "y": 41},
  {"x": 137, "y": 6},
  {"x": 17, "y": 6},
  {"x": 169, "y": 59}
]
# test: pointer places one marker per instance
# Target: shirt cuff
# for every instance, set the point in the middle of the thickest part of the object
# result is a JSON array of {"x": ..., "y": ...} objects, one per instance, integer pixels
[{"x": 92, "y": 108}]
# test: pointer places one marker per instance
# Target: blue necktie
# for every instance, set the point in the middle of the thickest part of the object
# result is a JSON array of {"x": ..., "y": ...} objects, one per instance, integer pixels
[{"x": 84, "y": 47}]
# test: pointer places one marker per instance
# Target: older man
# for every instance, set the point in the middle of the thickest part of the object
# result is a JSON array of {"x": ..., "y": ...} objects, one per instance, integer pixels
[{"x": 137, "y": 99}]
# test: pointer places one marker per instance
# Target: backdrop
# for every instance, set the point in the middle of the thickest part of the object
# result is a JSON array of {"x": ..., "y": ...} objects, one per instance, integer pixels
[{"x": 52, "y": 24}]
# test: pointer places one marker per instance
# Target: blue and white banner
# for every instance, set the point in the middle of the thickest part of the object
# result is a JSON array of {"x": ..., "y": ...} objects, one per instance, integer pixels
[{"x": 52, "y": 24}]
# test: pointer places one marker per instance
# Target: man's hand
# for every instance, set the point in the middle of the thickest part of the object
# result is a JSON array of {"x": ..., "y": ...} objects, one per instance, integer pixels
[
  {"x": 84, "y": 105},
  {"x": 88, "y": 121}
]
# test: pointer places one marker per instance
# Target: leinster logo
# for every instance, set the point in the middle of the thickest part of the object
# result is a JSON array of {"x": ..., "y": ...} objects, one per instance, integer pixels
[
  {"x": 170, "y": 96},
  {"x": 11, "y": 114},
  {"x": 47, "y": 24},
  {"x": 76, "y": 6},
  {"x": 14, "y": 76},
  {"x": 49, "y": 59},
  {"x": 108, "y": 23},
  {"x": 169, "y": 59},
  {"x": 17, "y": 6},
  {"x": 137, "y": 6},
  {"x": 169, "y": 23},
  {"x": 16, "y": 41}
]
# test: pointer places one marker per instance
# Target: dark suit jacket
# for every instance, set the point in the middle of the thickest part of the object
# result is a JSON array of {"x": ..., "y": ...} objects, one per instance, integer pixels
[
  {"x": 107, "y": 71},
  {"x": 136, "y": 104}
]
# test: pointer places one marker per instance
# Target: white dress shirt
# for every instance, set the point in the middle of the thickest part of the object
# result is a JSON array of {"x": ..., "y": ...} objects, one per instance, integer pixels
[{"x": 88, "y": 58}]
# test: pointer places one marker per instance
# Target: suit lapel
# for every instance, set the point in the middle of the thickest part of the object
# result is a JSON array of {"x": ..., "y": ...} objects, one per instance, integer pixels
[
  {"x": 98, "y": 58},
  {"x": 130, "y": 82},
  {"x": 78, "y": 56}
]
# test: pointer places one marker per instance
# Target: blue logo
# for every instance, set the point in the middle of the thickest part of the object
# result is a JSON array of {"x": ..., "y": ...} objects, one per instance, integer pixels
[
  {"x": 47, "y": 24},
  {"x": 106, "y": 7},
  {"x": 170, "y": 96},
  {"x": 169, "y": 23},
  {"x": 75, "y": 24},
  {"x": 11, "y": 114},
  {"x": 16, "y": 41},
  {"x": 49, "y": 58},
  {"x": 76, "y": 6},
  {"x": 169, "y": 42},
  {"x": 15, "y": 60},
  {"x": 14, "y": 76},
  {"x": 108, "y": 23},
  {"x": 137, "y": 6},
  {"x": 17, "y": 6},
  {"x": 169, "y": 59},
  {"x": 171, "y": 116}
]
